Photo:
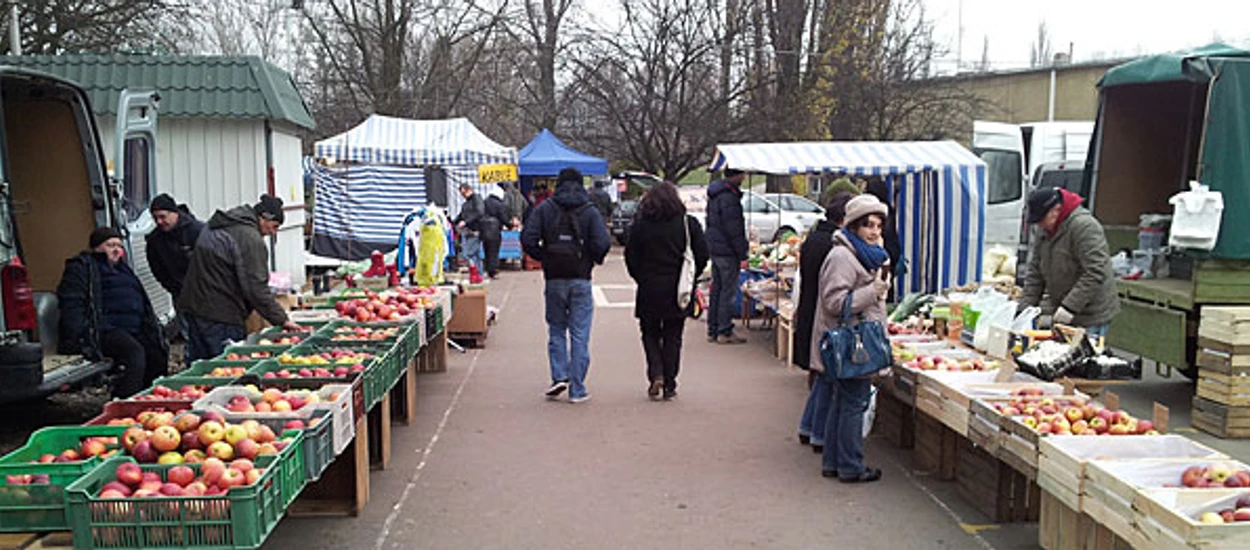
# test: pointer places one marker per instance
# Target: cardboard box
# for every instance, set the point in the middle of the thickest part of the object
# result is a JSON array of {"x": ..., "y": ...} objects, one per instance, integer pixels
[{"x": 468, "y": 312}]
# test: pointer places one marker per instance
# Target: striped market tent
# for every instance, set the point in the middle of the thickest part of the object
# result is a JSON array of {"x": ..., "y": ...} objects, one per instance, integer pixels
[
  {"x": 370, "y": 177},
  {"x": 940, "y": 190}
]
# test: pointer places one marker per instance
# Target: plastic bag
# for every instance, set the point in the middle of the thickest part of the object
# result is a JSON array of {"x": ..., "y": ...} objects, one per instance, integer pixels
[
  {"x": 1024, "y": 321},
  {"x": 1002, "y": 315},
  {"x": 1121, "y": 264},
  {"x": 870, "y": 415}
]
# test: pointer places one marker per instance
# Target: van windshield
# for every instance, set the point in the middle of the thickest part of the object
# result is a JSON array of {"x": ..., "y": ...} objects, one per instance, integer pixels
[
  {"x": 1003, "y": 169},
  {"x": 1070, "y": 179}
]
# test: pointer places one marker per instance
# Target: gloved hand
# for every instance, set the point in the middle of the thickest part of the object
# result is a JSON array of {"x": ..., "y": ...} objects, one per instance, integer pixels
[
  {"x": 1063, "y": 316},
  {"x": 1044, "y": 322}
]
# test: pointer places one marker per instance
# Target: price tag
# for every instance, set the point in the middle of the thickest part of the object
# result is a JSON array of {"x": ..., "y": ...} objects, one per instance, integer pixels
[
  {"x": 1111, "y": 400},
  {"x": 1161, "y": 415},
  {"x": 1006, "y": 369},
  {"x": 1069, "y": 387}
]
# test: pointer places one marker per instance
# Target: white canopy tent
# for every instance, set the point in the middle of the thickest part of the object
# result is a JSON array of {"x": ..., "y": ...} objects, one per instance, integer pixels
[{"x": 940, "y": 190}]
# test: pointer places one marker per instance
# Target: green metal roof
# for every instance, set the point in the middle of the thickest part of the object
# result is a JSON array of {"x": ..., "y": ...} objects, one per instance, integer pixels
[
  {"x": 189, "y": 86},
  {"x": 1168, "y": 67}
]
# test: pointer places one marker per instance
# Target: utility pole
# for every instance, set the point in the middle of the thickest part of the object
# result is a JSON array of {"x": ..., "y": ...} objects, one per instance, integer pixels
[{"x": 15, "y": 33}]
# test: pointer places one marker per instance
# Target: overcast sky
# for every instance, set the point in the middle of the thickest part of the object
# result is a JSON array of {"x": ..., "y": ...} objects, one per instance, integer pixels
[{"x": 1096, "y": 28}]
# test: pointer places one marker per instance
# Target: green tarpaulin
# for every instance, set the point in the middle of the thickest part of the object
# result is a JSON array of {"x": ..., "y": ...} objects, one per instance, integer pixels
[{"x": 1168, "y": 67}]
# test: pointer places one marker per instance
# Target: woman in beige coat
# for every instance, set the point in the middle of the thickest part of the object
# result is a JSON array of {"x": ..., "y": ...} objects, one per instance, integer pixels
[{"x": 854, "y": 269}]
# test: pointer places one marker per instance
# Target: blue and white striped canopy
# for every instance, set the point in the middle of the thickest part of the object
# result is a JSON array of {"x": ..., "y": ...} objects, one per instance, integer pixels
[
  {"x": 851, "y": 157},
  {"x": 939, "y": 190},
  {"x": 405, "y": 142}
]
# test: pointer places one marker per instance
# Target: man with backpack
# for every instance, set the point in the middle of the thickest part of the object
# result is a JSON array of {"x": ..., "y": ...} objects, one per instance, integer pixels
[{"x": 568, "y": 236}]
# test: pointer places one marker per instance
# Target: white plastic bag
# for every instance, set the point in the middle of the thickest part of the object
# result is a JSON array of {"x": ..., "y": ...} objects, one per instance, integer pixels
[
  {"x": 1001, "y": 314},
  {"x": 870, "y": 415},
  {"x": 1024, "y": 321}
]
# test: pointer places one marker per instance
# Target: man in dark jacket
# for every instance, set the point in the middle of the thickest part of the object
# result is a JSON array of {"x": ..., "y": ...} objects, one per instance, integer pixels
[
  {"x": 568, "y": 236},
  {"x": 727, "y": 242},
  {"x": 229, "y": 277},
  {"x": 602, "y": 200},
  {"x": 1069, "y": 272},
  {"x": 469, "y": 225},
  {"x": 106, "y": 313},
  {"x": 169, "y": 248},
  {"x": 492, "y": 229},
  {"x": 516, "y": 204}
]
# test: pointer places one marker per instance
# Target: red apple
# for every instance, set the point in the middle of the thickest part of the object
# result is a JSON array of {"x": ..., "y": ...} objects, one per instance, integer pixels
[
  {"x": 246, "y": 448},
  {"x": 119, "y": 486},
  {"x": 187, "y": 422},
  {"x": 211, "y": 470},
  {"x": 182, "y": 475},
  {"x": 144, "y": 452},
  {"x": 166, "y": 438},
  {"x": 129, "y": 473},
  {"x": 242, "y": 465},
  {"x": 1192, "y": 475},
  {"x": 171, "y": 489},
  {"x": 231, "y": 478}
]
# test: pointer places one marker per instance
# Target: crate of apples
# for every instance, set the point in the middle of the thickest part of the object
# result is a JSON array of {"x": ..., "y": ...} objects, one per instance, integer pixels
[
  {"x": 1238, "y": 513},
  {"x": 249, "y": 402},
  {"x": 392, "y": 306},
  {"x": 336, "y": 356},
  {"x": 62, "y": 444},
  {"x": 235, "y": 356},
  {"x": 335, "y": 371},
  {"x": 162, "y": 392},
  {"x": 1051, "y": 415},
  {"x": 940, "y": 363},
  {"x": 212, "y": 477},
  {"x": 363, "y": 333},
  {"x": 193, "y": 437},
  {"x": 1217, "y": 475},
  {"x": 126, "y": 413}
]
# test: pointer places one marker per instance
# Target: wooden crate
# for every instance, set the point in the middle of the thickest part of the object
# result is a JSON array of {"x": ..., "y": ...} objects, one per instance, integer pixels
[
  {"x": 936, "y": 447},
  {"x": 896, "y": 420},
  {"x": 1223, "y": 358},
  {"x": 985, "y": 427},
  {"x": 993, "y": 487},
  {"x": 934, "y": 402},
  {"x": 905, "y": 381},
  {"x": 1167, "y": 518},
  {"x": 1060, "y": 527},
  {"x": 1019, "y": 447},
  {"x": 1226, "y": 389},
  {"x": 1220, "y": 420},
  {"x": 1227, "y": 324}
]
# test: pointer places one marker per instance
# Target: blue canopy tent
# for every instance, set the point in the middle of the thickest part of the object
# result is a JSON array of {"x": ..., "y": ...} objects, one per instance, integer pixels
[
  {"x": 546, "y": 155},
  {"x": 940, "y": 187}
]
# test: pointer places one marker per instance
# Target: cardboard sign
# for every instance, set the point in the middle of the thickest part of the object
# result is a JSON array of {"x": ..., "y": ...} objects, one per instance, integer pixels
[
  {"x": 1006, "y": 369},
  {"x": 1161, "y": 415},
  {"x": 495, "y": 173},
  {"x": 1111, "y": 400},
  {"x": 1069, "y": 387}
]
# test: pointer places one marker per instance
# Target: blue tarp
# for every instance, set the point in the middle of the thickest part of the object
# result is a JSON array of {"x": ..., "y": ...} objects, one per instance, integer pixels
[{"x": 546, "y": 155}]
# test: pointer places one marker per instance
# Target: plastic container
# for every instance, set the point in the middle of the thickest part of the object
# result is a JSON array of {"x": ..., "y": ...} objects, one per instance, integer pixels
[
  {"x": 1150, "y": 238},
  {"x": 130, "y": 409},
  {"x": 317, "y": 442},
  {"x": 203, "y": 368},
  {"x": 38, "y": 508},
  {"x": 241, "y": 518},
  {"x": 1196, "y": 217},
  {"x": 254, "y": 352},
  {"x": 344, "y": 412},
  {"x": 217, "y": 400}
]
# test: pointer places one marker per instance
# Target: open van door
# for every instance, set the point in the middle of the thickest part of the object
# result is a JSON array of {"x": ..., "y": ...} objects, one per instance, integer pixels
[
  {"x": 134, "y": 181},
  {"x": 1001, "y": 147}
]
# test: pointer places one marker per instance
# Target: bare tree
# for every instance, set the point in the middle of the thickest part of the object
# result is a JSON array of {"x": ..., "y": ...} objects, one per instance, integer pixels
[
  {"x": 542, "y": 31},
  {"x": 67, "y": 26},
  {"x": 265, "y": 28},
  {"x": 1042, "y": 50}
]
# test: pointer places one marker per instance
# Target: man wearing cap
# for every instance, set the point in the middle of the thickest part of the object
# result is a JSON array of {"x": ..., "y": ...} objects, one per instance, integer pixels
[
  {"x": 169, "y": 247},
  {"x": 727, "y": 243},
  {"x": 1069, "y": 272},
  {"x": 106, "y": 313},
  {"x": 229, "y": 277}
]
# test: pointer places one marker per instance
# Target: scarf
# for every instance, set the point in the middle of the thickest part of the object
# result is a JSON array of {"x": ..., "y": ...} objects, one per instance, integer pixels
[{"x": 871, "y": 256}]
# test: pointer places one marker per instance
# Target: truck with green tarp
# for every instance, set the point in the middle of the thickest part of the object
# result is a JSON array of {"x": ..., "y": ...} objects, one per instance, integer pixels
[{"x": 1164, "y": 121}]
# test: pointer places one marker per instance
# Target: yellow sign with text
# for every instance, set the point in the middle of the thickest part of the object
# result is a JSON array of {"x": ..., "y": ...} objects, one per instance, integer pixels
[{"x": 495, "y": 173}]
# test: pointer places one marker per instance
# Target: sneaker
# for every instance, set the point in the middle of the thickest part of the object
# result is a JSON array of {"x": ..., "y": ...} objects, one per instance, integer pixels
[
  {"x": 654, "y": 390},
  {"x": 579, "y": 399},
  {"x": 557, "y": 388},
  {"x": 712, "y": 338},
  {"x": 669, "y": 394},
  {"x": 730, "y": 339}
]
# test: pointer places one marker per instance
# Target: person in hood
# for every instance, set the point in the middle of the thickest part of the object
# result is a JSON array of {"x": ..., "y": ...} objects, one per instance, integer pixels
[
  {"x": 492, "y": 229},
  {"x": 469, "y": 225},
  {"x": 1069, "y": 274},
  {"x": 603, "y": 201},
  {"x": 229, "y": 277},
  {"x": 169, "y": 248},
  {"x": 516, "y": 204},
  {"x": 567, "y": 234},
  {"x": 106, "y": 313},
  {"x": 727, "y": 243}
]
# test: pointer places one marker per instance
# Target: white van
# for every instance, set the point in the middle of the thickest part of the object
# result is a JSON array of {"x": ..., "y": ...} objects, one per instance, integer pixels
[{"x": 1012, "y": 152}]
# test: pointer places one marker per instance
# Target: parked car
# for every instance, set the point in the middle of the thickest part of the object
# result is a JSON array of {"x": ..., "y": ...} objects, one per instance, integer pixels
[
  {"x": 623, "y": 219},
  {"x": 631, "y": 185},
  {"x": 57, "y": 192},
  {"x": 771, "y": 216}
]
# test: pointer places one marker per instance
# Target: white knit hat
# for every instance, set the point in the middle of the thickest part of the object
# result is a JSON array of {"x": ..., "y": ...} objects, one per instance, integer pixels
[{"x": 863, "y": 205}]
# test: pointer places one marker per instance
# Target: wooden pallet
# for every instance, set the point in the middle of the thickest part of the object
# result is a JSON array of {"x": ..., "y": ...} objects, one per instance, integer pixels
[
  {"x": 1220, "y": 420},
  {"x": 36, "y": 541},
  {"x": 994, "y": 487},
  {"x": 896, "y": 420},
  {"x": 936, "y": 447}
]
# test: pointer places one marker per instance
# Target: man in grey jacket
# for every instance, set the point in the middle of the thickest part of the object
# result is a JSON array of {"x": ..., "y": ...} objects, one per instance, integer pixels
[
  {"x": 229, "y": 277},
  {"x": 1069, "y": 273}
]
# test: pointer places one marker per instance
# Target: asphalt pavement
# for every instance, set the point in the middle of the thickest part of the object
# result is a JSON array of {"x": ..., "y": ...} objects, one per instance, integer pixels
[{"x": 490, "y": 463}]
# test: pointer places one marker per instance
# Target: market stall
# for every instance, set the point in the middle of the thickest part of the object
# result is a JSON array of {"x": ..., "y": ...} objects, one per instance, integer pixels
[
  {"x": 545, "y": 155},
  {"x": 372, "y": 176}
]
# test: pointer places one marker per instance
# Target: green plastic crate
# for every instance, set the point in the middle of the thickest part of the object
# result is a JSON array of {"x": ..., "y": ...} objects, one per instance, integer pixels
[
  {"x": 201, "y": 368},
  {"x": 177, "y": 381},
  {"x": 317, "y": 448},
  {"x": 246, "y": 350},
  {"x": 242, "y": 518},
  {"x": 31, "y": 508},
  {"x": 381, "y": 373}
]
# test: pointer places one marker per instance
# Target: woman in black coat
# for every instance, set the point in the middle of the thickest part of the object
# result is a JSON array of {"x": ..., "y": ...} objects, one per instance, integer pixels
[
  {"x": 654, "y": 256},
  {"x": 811, "y": 257}
]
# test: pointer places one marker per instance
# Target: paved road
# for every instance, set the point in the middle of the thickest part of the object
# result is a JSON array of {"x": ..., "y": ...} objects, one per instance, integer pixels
[{"x": 491, "y": 464}]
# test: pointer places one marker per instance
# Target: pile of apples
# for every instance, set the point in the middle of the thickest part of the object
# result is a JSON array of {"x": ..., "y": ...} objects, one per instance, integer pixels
[
  {"x": 149, "y": 419},
  {"x": 164, "y": 393},
  {"x": 194, "y": 438},
  {"x": 89, "y": 447},
  {"x": 1045, "y": 415},
  {"x": 1215, "y": 476},
  {"x": 395, "y": 304},
  {"x": 28, "y": 479},
  {"x": 317, "y": 372},
  {"x": 363, "y": 334},
  {"x": 337, "y": 356},
  {"x": 283, "y": 341},
  {"x": 226, "y": 372},
  {"x": 215, "y": 478},
  {"x": 938, "y": 362},
  {"x": 899, "y": 328},
  {"x": 1239, "y": 513},
  {"x": 273, "y": 400},
  {"x": 232, "y": 356}
]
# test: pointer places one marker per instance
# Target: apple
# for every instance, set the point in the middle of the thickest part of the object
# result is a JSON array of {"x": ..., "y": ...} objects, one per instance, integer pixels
[
  {"x": 1098, "y": 424},
  {"x": 211, "y": 432},
  {"x": 293, "y": 425},
  {"x": 1144, "y": 426},
  {"x": 251, "y": 477},
  {"x": 182, "y": 475},
  {"x": 211, "y": 470},
  {"x": 1219, "y": 472},
  {"x": 1210, "y": 517},
  {"x": 70, "y": 455},
  {"x": 231, "y": 478},
  {"x": 266, "y": 434},
  {"x": 1118, "y": 429},
  {"x": 1241, "y": 514},
  {"x": 246, "y": 448},
  {"x": 266, "y": 449},
  {"x": 1074, "y": 414},
  {"x": 93, "y": 447},
  {"x": 196, "y": 488},
  {"x": 129, "y": 473},
  {"x": 221, "y": 450},
  {"x": 118, "y": 486},
  {"x": 242, "y": 465},
  {"x": 113, "y": 493},
  {"x": 1192, "y": 475},
  {"x": 253, "y": 429},
  {"x": 1029, "y": 421},
  {"x": 271, "y": 394},
  {"x": 282, "y": 405},
  {"x": 188, "y": 422},
  {"x": 1079, "y": 427},
  {"x": 153, "y": 485},
  {"x": 194, "y": 456},
  {"x": 213, "y": 416},
  {"x": 145, "y": 493},
  {"x": 171, "y": 489},
  {"x": 171, "y": 457},
  {"x": 166, "y": 438},
  {"x": 1243, "y": 501},
  {"x": 191, "y": 441},
  {"x": 235, "y": 433},
  {"x": 144, "y": 451},
  {"x": 1233, "y": 482}
]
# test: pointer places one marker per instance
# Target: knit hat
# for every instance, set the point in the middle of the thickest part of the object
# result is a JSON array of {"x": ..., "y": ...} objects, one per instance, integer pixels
[
  {"x": 569, "y": 175},
  {"x": 163, "y": 202},
  {"x": 102, "y": 234},
  {"x": 863, "y": 205},
  {"x": 1041, "y": 201},
  {"x": 270, "y": 208}
]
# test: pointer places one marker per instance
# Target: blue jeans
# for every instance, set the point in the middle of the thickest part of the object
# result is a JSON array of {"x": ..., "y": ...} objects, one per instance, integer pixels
[
  {"x": 816, "y": 412},
  {"x": 570, "y": 310},
  {"x": 206, "y": 339},
  {"x": 844, "y": 428},
  {"x": 472, "y": 250},
  {"x": 724, "y": 289}
]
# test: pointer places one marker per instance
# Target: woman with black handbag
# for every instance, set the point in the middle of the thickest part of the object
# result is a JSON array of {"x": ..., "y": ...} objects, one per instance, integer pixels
[
  {"x": 852, "y": 271},
  {"x": 664, "y": 242}
]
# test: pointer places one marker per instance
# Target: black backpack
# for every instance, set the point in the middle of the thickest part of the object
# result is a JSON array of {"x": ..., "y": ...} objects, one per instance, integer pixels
[{"x": 564, "y": 247}]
